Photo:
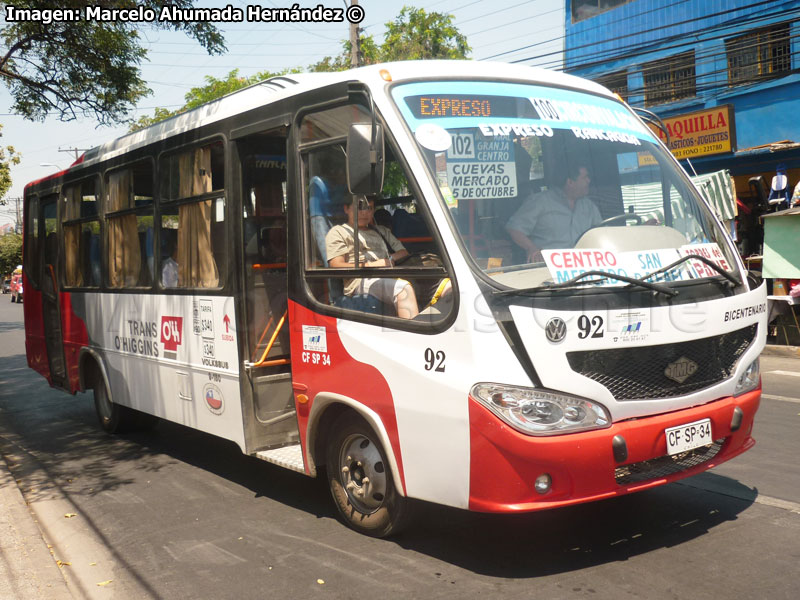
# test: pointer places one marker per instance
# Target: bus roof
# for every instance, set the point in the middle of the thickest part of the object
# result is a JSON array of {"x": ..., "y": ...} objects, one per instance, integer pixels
[{"x": 285, "y": 86}]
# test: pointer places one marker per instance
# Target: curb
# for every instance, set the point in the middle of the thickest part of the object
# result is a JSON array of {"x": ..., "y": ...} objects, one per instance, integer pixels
[
  {"x": 784, "y": 351},
  {"x": 29, "y": 571}
]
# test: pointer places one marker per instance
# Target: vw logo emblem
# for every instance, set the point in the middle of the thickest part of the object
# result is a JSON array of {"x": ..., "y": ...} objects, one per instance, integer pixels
[{"x": 556, "y": 329}]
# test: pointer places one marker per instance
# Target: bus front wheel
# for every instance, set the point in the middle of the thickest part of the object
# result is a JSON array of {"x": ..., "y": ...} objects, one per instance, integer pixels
[{"x": 360, "y": 480}]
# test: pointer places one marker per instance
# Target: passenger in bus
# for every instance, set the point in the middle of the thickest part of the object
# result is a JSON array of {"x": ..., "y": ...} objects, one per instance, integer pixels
[
  {"x": 169, "y": 268},
  {"x": 377, "y": 248},
  {"x": 557, "y": 217}
]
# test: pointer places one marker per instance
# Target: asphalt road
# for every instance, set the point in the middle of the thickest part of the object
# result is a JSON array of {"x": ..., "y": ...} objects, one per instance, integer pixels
[{"x": 180, "y": 514}]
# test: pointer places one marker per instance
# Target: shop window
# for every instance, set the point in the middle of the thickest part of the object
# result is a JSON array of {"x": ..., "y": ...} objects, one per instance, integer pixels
[
  {"x": 193, "y": 225},
  {"x": 616, "y": 82},
  {"x": 670, "y": 79},
  {"x": 129, "y": 226},
  {"x": 759, "y": 55},
  {"x": 585, "y": 9}
]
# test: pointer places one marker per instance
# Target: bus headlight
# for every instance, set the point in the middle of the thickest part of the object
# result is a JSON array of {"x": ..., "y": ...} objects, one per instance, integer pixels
[
  {"x": 749, "y": 379},
  {"x": 537, "y": 411}
]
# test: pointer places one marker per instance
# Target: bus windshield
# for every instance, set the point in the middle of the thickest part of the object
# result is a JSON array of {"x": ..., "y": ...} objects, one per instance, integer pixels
[{"x": 546, "y": 184}]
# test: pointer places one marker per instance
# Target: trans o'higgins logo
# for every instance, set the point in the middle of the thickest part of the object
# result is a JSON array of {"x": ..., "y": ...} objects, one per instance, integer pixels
[
  {"x": 171, "y": 335},
  {"x": 681, "y": 369}
]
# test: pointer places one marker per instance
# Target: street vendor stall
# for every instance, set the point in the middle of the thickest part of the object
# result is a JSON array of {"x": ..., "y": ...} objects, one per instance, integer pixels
[{"x": 782, "y": 265}]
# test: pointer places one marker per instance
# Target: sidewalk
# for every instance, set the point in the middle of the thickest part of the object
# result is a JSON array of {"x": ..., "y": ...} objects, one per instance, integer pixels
[
  {"x": 27, "y": 569},
  {"x": 785, "y": 351}
]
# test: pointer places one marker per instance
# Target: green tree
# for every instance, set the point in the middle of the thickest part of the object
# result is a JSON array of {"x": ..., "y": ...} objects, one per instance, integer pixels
[
  {"x": 415, "y": 34},
  {"x": 213, "y": 89},
  {"x": 370, "y": 54},
  {"x": 84, "y": 67},
  {"x": 10, "y": 253},
  {"x": 8, "y": 157}
]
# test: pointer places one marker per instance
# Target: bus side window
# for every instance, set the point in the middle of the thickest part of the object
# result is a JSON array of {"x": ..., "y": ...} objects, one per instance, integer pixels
[
  {"x": 129, "y": 226},
  {"x": 193, "y": 252},
  {"x": 81, "y": 226},
  {"x": 31, "y": 254}
]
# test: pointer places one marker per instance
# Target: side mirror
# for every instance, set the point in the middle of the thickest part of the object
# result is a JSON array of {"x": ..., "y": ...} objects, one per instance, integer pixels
[{"x": 365, "y": 159}]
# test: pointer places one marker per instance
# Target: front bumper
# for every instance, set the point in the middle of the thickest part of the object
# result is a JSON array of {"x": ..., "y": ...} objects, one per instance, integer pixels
[{"x": 505, "y": 463}]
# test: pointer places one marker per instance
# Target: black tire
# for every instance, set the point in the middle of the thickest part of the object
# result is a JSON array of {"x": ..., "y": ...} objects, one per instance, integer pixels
[
  {"x": 113, "y": 418},
  {"x": 360, "y": 480}
]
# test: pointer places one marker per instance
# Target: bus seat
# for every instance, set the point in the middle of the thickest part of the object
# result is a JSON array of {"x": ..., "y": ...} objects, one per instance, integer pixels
[
  {"x": 95, "y": 258},
  {"x": 406, "y": 225},
  {"x": 148, "y": 250}
]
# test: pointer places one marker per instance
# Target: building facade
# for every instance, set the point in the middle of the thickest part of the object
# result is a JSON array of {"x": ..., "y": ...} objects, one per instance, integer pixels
[{"x": 724, "y": 75}]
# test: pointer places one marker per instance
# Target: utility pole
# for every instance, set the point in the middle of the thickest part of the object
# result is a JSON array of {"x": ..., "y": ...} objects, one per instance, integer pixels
[
  {"x": 355, "y": 42},
  {"x": 18, "y": 223},
  {"x": 14, "y": 212},
  {"x": 75, "y": 150}
]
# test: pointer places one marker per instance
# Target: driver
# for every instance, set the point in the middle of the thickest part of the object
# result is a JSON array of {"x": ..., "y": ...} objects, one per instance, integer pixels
[
  {"x": 555, "y": 218},
  {"x": 377, "y": 248}
]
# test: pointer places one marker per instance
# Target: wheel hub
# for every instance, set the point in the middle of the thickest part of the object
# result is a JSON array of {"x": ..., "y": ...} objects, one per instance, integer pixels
[{"x": 362, "y": 473}]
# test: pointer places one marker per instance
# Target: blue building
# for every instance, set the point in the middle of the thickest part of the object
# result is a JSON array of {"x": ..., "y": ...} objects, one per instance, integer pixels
[{"x": 723, "y": 74}]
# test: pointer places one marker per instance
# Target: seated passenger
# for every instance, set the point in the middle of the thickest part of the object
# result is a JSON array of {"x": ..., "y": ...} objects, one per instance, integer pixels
[
  {"x": 555, "y": 218},
  {"x": 377, "y": 248},
  {"x": 169, "y": 268}
]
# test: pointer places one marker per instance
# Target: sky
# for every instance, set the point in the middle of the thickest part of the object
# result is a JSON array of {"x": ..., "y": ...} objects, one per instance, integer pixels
[{"x": 497, "y": 30}]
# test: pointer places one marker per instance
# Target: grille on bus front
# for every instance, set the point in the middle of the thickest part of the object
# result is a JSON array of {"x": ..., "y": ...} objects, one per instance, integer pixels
[
  {"x": 666, "y": 465},
  {"x": 639, "y": 372}
]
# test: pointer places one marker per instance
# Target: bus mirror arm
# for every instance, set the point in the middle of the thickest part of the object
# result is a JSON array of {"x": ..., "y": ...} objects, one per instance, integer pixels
[{"x": 365, "y": 155}]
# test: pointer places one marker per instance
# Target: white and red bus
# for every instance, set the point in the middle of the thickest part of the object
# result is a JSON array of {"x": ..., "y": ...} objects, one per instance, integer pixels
[{"x": 580, "y": 325}]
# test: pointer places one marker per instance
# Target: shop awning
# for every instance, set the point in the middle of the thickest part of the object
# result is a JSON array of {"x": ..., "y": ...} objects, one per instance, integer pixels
[{"x": 718, "y": 190}]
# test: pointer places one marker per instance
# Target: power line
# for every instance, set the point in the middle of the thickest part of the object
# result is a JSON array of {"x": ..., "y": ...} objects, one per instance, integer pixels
[
  {"x": 636, "y": 51},
  {"x": 598, "y": 26},
  {"x": 726, "y": 29},
  {"x": 625, "y": 36}
]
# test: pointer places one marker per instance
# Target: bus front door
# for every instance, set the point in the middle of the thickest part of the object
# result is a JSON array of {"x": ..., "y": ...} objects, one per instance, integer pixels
[
  {"x": 272, "y": 423},
  {"x": 51, "y": 310}
]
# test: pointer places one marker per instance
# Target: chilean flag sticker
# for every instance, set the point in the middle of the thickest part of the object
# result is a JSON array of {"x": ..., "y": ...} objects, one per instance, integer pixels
[{"x": 213, "y": 397}]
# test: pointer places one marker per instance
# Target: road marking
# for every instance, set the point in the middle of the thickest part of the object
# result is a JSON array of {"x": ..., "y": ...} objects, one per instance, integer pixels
[
  {"x": 790, "y": 373},
  {"x": 778, "y": 503},
  {"x": 781, "y": 398},
  {"x": 759, "y": 499}
]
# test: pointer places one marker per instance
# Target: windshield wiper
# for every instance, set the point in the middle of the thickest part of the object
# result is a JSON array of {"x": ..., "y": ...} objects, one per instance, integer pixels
[
  {"x": 702, "y": 259},
  {"x": 658, "y": 287},
  {"x": 546, "y": 286}
]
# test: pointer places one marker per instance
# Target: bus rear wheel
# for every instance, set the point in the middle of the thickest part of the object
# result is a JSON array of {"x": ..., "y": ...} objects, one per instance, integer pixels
[
  {"x": 360, "y": 480},
  {"x": 115, "y": 418}
]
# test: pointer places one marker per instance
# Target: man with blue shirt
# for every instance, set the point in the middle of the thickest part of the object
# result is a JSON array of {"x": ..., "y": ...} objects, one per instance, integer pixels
[{"x": 555, "y": 218}]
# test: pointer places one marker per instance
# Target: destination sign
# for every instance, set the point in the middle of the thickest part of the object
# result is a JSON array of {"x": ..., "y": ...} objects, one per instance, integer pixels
[{"x": 429, "y": 106}]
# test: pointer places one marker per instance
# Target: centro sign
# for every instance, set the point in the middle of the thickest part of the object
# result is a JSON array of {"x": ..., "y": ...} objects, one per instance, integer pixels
[{"x": 171, "y": 332}]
